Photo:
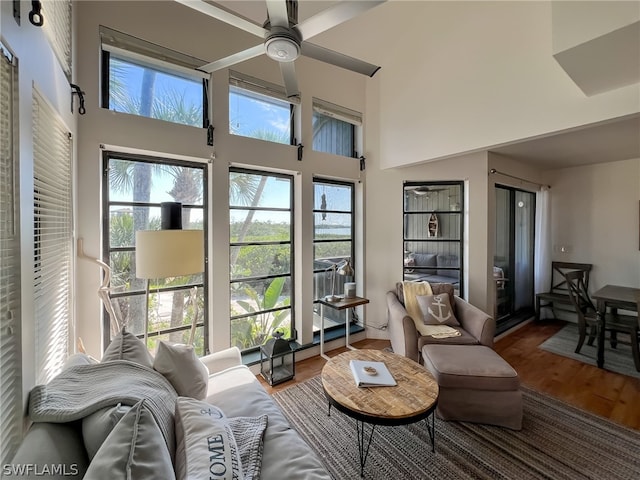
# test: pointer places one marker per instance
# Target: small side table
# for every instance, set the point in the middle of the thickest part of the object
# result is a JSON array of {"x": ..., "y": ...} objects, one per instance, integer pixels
[{"x": 339, "y": 305}]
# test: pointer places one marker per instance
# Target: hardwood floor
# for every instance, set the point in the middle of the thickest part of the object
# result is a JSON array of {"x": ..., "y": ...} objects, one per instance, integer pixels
[
  {"x": 596, "y": 390},
  {"x": 604, "y": 393}
]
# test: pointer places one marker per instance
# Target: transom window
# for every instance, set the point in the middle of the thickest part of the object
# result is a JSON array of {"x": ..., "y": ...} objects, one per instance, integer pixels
[
  {"x": 144, "y": 79},
  {"x": 133, "y": 188},
  {"x": 261, "y": 257},
  {"x": 259, "y": 109},
  {"x": 334, "y": 128}
]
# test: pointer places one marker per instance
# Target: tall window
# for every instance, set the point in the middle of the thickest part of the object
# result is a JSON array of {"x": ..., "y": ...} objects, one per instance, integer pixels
[
  {"x": 52, "y": 237},
  {"x": 334, "y": 128},
  {"x": 433, "y": 232},
  {"x": 57, "y": 26},
  {"x": 133, "y": 188},
  {"x": 333, "y": 240},
  {"x": 260, "y": 109},
  {"x": 144, "y": 79},
  {"x": 261, "y": 263},
  {"x": 10, "y": 338}
]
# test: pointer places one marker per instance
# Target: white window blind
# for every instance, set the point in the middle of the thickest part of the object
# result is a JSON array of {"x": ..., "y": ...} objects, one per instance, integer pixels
[
  {"x": 336, "y": 111},
  {"x": 57, "y": 26},
  {"x": 149, "y": 54},
  {"x": 261, "y": 87},
  {"x": 10, "y": 342},
  {"x": 52, "y": 238}
]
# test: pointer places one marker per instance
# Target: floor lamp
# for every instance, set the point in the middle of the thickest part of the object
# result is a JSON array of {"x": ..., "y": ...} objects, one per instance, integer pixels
[{"x": 170, "y": 252}]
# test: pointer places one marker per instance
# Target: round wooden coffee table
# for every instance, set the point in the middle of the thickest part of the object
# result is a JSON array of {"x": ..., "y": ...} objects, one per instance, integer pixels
[{"x": 414, "y": 398}]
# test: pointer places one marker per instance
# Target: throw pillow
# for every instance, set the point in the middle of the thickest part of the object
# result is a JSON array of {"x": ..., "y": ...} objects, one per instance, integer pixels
[
  {"x": 181, "y": 366},
  {"x": 97, "y": 426},
  {"x": 205, "y": 444},
  {"x": 126, "y": 346},
  {"x": 411, "y": 290},
  {"x": 78, "y": 359},
  {"x": 436, "y": 310},
  {"x": 135, "y": 448},
  {"x": 409, "y": 261}
]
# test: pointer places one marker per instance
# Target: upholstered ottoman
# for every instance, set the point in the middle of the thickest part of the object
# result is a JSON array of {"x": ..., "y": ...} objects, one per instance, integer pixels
[{"x": 476, "y": 385}]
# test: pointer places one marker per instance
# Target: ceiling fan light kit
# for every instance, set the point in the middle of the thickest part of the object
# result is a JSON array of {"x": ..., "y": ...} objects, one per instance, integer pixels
[{"x": 282, "y": 48}]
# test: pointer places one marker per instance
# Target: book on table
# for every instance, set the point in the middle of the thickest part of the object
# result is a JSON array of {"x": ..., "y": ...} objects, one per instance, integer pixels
[{"x": 371, "y": 374}]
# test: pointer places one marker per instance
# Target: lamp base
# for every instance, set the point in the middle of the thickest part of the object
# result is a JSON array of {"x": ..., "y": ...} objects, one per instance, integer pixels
[{"x": 332, "y": 298}]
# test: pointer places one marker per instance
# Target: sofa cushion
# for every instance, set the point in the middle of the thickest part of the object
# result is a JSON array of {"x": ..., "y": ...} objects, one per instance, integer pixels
[
  {"x": 126, "y": 346},
  {"x": 471, "y": 367},
  {"x": 280, "y": 440},
  {"x": 436, "y": 310},
  {"x": 448, "y": 261},
  {"x": 135, "y": 448},
  {"x": 79, "y": 359},
  {"x": 425, "y": 260},
  {"x": 181, "y": 366},
  {"x": 48, "y": 444},
  {"x": 97, "y": 426}
]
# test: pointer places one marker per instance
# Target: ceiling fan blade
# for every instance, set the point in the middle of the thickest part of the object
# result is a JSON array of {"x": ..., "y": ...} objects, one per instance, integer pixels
[
  {"x": 233, "y": 59},
  {"x": 333, "y": 16},
  {"x": 278, "y": 15},
  {"x": 225, "y": 16},
  {"x": 288, "y": 70},
  {"x": 338, "y": 59}
]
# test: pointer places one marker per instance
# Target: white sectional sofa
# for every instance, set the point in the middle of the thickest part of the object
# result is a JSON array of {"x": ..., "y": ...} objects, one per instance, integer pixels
[{"x": 60, "y": 449}]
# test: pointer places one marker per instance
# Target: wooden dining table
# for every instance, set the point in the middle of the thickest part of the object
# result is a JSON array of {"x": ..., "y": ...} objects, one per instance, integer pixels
[{"x": 613, "y": 296}]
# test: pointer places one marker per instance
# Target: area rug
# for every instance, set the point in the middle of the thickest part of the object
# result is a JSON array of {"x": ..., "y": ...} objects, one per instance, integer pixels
[
  {"x": 617, "y": 359},
  {"x": 556, "y": 442}
]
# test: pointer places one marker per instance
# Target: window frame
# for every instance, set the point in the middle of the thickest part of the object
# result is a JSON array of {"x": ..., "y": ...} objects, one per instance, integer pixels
[
  {"x": 332, "y": 313},
  {"x": 258, "y": 89},
  {"x": 108, "y": 155},
  {"x": 433, "y": 240},
  {"x": 291, "y": 243},
  {"x": 342, "y": 114},
  {"x": 148, "y": 55}
]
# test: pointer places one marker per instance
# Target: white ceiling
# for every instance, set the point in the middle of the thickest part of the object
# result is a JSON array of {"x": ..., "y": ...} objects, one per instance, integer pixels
[
  {"x": 605, "y": 142},
  {"x": 600, "y": 143}
]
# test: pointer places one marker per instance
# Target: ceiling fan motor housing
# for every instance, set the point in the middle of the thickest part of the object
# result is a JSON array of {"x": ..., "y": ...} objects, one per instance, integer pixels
[{"x": 282, "y": 44}]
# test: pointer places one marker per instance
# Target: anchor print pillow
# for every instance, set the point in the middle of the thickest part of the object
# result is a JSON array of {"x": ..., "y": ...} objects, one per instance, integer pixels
[{"x": 436, "y": 310}]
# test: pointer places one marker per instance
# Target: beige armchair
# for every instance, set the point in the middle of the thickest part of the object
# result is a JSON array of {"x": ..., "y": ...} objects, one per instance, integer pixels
[{"x": 476, "y": 327}]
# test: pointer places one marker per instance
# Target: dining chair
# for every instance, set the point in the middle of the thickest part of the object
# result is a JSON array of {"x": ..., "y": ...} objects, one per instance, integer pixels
[{"x": 588, "y": 316}]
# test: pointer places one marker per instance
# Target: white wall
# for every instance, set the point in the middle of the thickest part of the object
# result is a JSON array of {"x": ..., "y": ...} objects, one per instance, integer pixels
[
  {"x": 38, "y": 68},
  {"x": 579, "y": 21},
  {"x": 384, "y": 222},
  {"x": 594, "y": 212},
  {"x": 458, "y": 77}
]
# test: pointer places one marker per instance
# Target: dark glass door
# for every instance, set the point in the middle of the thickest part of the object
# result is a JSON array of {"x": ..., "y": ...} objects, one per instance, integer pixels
[{"x": 513, "y": 256}]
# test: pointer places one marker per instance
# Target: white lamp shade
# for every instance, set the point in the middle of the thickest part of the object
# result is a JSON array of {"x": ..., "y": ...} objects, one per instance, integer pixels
[{"x": 169, "y": 253}]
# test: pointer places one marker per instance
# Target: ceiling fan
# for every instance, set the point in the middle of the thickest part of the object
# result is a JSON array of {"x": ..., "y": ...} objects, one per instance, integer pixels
[
  {"x": 285, "y": 39},
  {"x": 421, "y": 190}
]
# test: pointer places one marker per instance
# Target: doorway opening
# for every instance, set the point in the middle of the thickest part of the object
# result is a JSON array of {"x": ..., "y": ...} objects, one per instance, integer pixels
[{"x": 513, "y": 256}]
